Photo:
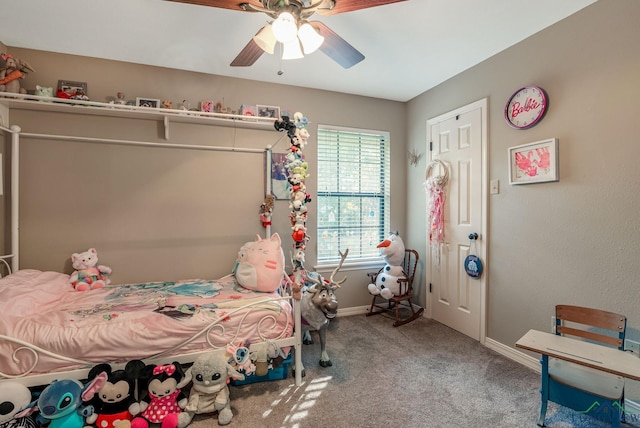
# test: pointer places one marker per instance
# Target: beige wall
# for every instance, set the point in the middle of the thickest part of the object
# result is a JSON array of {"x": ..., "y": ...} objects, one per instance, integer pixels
[
  {"x": 573, "y": 241},
  {"x": 168, "y": 214}
]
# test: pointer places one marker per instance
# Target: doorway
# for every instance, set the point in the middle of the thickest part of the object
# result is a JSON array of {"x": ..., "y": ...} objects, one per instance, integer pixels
[{"x": 457, "y": 140}]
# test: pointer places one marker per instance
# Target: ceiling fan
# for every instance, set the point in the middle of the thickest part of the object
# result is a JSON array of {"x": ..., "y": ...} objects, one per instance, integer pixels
[{"x": 291, "y": 28}]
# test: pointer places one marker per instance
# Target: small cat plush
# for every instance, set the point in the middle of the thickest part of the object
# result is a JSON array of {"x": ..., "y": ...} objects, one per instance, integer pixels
[{"x": 44, "y": 91}]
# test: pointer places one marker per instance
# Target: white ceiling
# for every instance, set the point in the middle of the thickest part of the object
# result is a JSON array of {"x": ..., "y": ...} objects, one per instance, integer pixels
[{"x": 409, "y": 47}]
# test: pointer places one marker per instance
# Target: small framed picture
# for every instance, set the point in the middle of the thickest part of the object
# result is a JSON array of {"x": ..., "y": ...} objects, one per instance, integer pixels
[
  {"x": 268, "y": 111},
  {"x": 534, "y": 162},
  {"x": 147, "y": 102},
  {"x": 69, "y": 89}
]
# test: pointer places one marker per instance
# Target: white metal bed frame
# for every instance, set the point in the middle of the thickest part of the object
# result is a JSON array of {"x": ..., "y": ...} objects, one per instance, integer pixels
[{"x": 16, "y": 133}]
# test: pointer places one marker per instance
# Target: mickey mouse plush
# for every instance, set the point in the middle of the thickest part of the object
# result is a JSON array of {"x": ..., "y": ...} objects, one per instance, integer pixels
[
  {"x": 115, "y": 404},
  {"x": 164, "y": 401}
]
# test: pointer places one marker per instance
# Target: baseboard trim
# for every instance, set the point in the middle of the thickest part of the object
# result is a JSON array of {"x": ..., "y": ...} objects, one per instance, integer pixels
[
  {"x": 513, "y": 354},
  {"x": 355, "y": 310}
]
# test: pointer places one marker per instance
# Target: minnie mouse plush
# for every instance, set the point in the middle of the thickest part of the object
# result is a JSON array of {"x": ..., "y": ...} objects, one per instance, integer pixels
[{"x": 164, "y": 401}]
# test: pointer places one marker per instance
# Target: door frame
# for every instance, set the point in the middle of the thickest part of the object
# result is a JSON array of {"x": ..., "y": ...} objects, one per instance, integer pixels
[{"x": 482, "y": 104}]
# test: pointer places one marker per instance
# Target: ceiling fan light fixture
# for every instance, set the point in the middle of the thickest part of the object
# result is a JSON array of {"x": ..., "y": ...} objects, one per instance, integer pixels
[
  {"x": 311, "y": 40},
  {"x": 285, "y": 28},
  {"x": 291, "y": 50},
  {"x": 265, "y": 39}
]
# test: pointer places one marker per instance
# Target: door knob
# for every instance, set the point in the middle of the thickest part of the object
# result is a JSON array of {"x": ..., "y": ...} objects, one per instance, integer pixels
[{"x": 473, "y": 236}]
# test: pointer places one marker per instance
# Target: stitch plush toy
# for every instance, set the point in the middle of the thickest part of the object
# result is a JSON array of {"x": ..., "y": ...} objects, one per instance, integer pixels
[
  {"x": 241, "y": 357},
  {"x": 260, "y": 264},
  {"x": 14, "y": 397},
  {"x": 164, "y": 400},
  {"x": 387, "y": 284},
  {"x": 115, "y": 404},
  {"x": 61, "y": 403},
  {"x": 88, "y": 274},
  {"x": 210, "y": 374}
]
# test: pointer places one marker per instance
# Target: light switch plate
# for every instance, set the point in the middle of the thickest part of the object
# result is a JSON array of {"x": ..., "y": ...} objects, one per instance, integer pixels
[{"x": 494, "y": 187}]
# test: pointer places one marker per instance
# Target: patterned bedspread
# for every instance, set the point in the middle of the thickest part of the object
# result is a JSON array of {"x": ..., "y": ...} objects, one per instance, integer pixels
[{"x": 128, "y": 321}]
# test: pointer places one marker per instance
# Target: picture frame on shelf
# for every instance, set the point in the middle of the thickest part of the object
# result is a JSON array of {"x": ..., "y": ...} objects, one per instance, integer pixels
[
  {"x": 268, "y": 111},
  {"x": 147, "y": 102},
  {"x": 535, "y": 162},
  {"x": 70, "y": 89}
]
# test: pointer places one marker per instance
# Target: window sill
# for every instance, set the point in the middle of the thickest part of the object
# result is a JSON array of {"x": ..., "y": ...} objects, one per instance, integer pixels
[{"x": 356, "y": 265}]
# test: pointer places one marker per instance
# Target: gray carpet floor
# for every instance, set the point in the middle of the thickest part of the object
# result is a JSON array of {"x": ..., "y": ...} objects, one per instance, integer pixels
[{"x": 422, "y": 374}]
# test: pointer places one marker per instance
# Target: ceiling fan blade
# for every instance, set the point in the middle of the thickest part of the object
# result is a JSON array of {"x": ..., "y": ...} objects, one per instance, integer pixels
[
  {"x": 342, "y": 6},
  {"x": 336, "y": 48},
  {"x": 223, "y": 4},
  {"x": 248, "y": 55}
]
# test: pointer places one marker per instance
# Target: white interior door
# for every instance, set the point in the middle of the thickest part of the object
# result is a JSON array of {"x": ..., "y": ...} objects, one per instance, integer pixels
[{"x": 458, "y": 139}]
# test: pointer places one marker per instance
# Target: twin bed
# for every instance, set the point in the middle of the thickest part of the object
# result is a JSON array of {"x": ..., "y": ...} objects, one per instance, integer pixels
[{"x": 50, "y": 331}]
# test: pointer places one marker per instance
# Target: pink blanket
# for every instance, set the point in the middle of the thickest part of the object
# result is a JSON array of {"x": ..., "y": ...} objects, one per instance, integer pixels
[{"x": 130, "y": 321}]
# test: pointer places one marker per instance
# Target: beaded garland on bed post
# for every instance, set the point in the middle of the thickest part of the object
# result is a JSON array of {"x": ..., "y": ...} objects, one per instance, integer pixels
[{"x": 296, "y": 168}]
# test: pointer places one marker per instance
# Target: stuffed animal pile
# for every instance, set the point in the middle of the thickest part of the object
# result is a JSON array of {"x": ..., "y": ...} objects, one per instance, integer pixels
[
  {"x": 296, "y": 168},
  {"x": 387, "y": 284},
  {"x": 88, "y": 274}
]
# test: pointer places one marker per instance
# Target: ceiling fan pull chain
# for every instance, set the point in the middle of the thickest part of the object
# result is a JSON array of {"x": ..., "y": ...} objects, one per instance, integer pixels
[{"x": 280, "y": 70}]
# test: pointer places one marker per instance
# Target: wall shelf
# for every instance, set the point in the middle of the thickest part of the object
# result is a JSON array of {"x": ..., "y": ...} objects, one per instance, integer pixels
[{"x": 49, "y": 104}]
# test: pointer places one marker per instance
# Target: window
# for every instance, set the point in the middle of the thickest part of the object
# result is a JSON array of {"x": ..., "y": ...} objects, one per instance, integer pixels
[{"x": 353, "y": 193}]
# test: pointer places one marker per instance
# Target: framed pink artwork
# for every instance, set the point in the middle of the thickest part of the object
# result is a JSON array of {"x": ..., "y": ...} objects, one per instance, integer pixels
[{"x": 534, "y": 162}]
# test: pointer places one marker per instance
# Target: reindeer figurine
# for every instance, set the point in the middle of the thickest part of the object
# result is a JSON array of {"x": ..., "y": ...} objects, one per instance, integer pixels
[{"x": 318, "y": 306}]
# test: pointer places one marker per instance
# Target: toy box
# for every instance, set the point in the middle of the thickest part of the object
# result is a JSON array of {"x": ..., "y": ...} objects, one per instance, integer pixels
[{"x": 279, "y": 373}]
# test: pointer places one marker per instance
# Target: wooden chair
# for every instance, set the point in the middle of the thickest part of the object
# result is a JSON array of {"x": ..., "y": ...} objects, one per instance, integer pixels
[
  {"x": 581, "y": 388},
  {"x": 380, "y": 305}
]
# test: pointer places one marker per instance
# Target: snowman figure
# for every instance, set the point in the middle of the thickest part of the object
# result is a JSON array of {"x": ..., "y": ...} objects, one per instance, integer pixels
[{"x": 387, "y": 284}]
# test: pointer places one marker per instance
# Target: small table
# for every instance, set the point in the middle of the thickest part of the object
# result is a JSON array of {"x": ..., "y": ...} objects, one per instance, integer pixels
[{"x": 598, "y": 357}]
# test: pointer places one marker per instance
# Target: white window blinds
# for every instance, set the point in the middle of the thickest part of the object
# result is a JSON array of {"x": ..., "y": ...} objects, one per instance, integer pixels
[{"x": 353, "y": 192}]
